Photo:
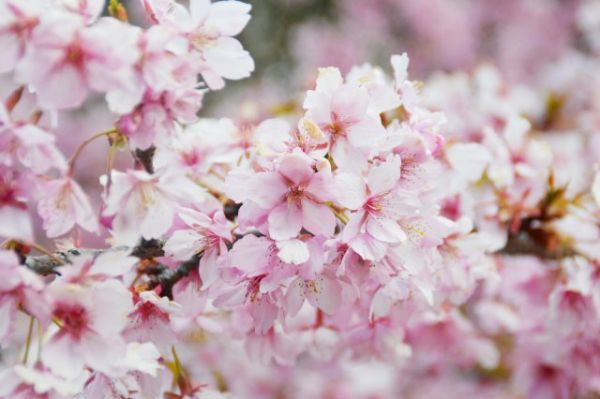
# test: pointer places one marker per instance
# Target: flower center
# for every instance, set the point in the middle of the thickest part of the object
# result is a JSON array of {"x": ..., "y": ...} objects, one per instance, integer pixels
[
  {"x": 374, "y": 205},
  {"x": 336, "y": 127},
  {"x": 73, "y": 319},
  {"x": 147, "y": 195},
  {"x": 74, "y": 54},
  {"x": 201, "y": 40}
]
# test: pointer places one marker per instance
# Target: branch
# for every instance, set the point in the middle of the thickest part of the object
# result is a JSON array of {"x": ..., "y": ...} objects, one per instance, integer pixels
[
  {"x": 46, "y": 264},
  {"x": 166, "y": 277},
  {"x": 159, "y": 274},
  {"x": 145, "y": 158},
  {"x": 522, "y": 244}
]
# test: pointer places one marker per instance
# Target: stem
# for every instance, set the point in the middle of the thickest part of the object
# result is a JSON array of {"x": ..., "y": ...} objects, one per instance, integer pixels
[
  {"x": 221, "y": 197},
  {"x": 15, "y": 244},
  {"x": 28, "y": 340},
  {"x": 39, "y": 347},
  {"x": 175, "y": 358},
  {"x": 341, "y": 217},
  {"x": 339, "y": 213},
  {"x": 178, "y": 372},
  {"x": 44, "y": 251},
  {"x": 109, "y": 165},
  {"x": 84, "y": 144}
]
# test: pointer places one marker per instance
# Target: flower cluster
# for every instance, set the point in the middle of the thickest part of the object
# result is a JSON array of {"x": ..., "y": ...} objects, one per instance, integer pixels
[{"x": 386, "y": 238}]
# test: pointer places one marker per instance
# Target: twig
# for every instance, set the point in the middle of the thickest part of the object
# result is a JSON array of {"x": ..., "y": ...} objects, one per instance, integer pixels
[
  {"x": 167, "y": 277},
  {"x": 145, "y": 157},
  {"x": 522, "y": 244},
  {"x": 84, "y": 143},
  {"x": 159, "y": 275}
]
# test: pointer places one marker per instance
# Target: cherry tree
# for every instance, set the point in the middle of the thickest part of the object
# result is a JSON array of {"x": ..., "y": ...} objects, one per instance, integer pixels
[{"x": 388, "y": 238}]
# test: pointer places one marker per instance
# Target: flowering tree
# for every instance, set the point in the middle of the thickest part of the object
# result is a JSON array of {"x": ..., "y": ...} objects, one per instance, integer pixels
[{"x": 385, "y": 239}]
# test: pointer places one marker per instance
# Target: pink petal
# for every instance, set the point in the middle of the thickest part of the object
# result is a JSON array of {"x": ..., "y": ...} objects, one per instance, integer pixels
[
  {"x": 229, "y": 59},
  {"x": 228, "y": 17},
  {"x": 285, "y": 221},
  {"x": 368, "y": 248},
  {"x": 348, "y": 158},
  {"x": 294, "y": 297},
  {"x": 183, "y": 244},
  {"x": 64, "y": 88},
  {"x": 16, "y": 223},
  {"x": 266, "y": 189},
  {"x": 317, "y": 105},
  {"x": 199, "y": 10},
  {"x": 61, "y": 355},
  {"x": 8, "y": 309},
  {"x": 250, "y": 254},
  {"x": 385, "y": 229},
  {"x": 324, "y": 293},
  {"x": 112, "y": 303},
  {"x": 297, "y": 168},
  {"x": 384, "y": 177},
  {"x": 101, "y": 353},
  {"x": 321, "y": 185},
  {"x": 367, "y": 133},
  {"x": 209, "y": 271},
  {"x": 350, "y": 103},
  {"x": 350, "y": 190},
  {"x": 318, "y": 218}
]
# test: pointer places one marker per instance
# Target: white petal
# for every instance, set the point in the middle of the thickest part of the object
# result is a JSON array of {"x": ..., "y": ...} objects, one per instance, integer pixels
[{"x": 293, "y": 251}]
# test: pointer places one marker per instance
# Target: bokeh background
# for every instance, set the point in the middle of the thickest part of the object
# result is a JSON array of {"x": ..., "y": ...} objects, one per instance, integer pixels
[{"x": 289, "y": 39}]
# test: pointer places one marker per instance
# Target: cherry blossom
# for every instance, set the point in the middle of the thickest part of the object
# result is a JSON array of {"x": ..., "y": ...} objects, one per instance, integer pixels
[
  {"x": 151, "y": 198},
  {"x": 90, "y": 322},
  {"x": 64, "y": 206},
  {"x": 295, "y": 193},
  {"x": 375, "y": 236},
  {"x": 65, "y": 54}
]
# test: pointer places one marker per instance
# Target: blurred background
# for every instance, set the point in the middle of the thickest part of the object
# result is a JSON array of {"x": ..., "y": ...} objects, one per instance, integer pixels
[{"x": 289, "y": 39}]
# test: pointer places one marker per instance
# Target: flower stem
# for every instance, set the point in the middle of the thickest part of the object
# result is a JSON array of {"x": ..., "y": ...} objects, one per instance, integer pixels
[
  {"x": 84, "y": 144},
  {"x": 28, "y": 339}
]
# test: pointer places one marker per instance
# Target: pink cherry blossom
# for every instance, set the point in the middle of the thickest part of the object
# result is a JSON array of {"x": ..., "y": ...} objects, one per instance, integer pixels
[
  {"x": 206, "y": 235},
  {"x": 66, "y": 59},
  {"x": 376, "y": 236},
  {"x": 17, "y": 20},
  {"x": 20, "y": 287},
  {"x": 65, "y": 205},
  {"x": 150, "y": 321},
  {"x": 294, "y": 194},
  {"x": 13, "y": 207},
  {"x": 375, "y": 225},
  {"x": 209, "y": 28},
  {"x": 90, "y": 321},
  {"x": 342, "y": 111},
  {"x": 151, "y": 198}
]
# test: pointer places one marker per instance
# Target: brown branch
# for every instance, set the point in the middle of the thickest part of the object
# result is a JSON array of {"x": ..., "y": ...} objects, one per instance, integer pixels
[
  {"x": 159, "y": 274},
  {"x": 46, "y": 264},
  {"x": 166, "y": 277},
  {"x": 145, "y": 158},
  {"x": 523, "y": 244}
]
